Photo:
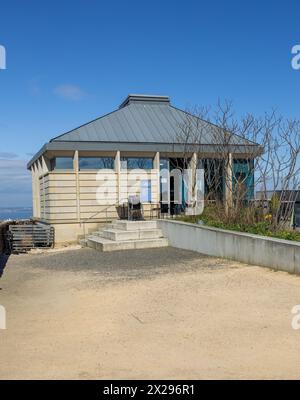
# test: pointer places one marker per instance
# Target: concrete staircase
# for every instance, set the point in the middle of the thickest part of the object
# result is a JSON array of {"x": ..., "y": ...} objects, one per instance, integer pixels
[{"x": 126, "y": 235}]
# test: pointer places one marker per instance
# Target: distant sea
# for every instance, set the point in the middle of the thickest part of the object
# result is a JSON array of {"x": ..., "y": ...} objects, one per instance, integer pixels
[{"x": 15, "y": 213}]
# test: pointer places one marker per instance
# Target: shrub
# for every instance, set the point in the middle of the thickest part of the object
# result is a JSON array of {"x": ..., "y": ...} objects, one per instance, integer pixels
[{"x": 250, "y": 220}]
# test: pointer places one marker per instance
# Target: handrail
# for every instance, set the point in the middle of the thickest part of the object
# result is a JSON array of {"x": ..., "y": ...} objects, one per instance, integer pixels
[
  {"x": 93, "y": 215},
  {"x": 118, "y": 203},
  {"x": 100, "y": 211}
]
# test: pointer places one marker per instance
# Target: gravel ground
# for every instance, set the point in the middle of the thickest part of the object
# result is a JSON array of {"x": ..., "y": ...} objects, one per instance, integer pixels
[
  {"x": 146, "y": 314},
  {"x": 120, "y": 265}
]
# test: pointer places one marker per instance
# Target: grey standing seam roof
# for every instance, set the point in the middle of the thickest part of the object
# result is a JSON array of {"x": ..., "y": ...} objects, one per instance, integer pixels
[
  {"x": 140, "y": 120},
  {"x": 141, "y": 123}
]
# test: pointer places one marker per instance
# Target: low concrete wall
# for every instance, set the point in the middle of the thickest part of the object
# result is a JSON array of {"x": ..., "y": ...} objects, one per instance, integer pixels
[
  {"x": 274, "y": 253},
  {"x": 69, "y": 233}
]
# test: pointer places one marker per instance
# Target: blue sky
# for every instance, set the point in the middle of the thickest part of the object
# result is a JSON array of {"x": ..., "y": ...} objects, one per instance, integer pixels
[{"x": 71, "y": 61}]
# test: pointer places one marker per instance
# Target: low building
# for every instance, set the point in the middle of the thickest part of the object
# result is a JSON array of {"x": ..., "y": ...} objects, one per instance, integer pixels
[
  {"x": 80, "y": 177},
  {"x": 287, "y": 197}
]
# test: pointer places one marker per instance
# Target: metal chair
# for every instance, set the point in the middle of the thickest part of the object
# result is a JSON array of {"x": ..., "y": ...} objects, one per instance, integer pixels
[
  {"x": 122, "y": 211},
  {"x": 135, "y": 209},
  {"x": 155, "y": 209}
]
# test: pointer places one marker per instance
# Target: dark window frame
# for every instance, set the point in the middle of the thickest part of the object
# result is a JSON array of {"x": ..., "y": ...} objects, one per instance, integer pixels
[
  {"x": 54, "y": 167},
  {"x": 137, "y": 166},
  {"x": 111, "y": 159}
]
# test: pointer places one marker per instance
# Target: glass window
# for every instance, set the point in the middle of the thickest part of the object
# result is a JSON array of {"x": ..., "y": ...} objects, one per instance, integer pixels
[
  {"x": 61, "y": 163},
  {"x": 96, "y": 162},
  {"x": 243, "y": 171},
  {"x": 146, "y": 190},
  {"x": 213, "y": 177},
  {"x": 164, "y": 164},
  {"x": 136, "y": 163}
]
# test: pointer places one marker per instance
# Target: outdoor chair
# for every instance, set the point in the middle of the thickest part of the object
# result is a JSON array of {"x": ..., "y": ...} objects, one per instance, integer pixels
[
  {"x": 155, "y": 211},
  {"x": 135, "y": 209},
  {"x": 122, "y": 211}
]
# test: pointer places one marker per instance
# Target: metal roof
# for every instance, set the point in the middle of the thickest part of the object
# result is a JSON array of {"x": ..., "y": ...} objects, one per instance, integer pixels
[
  {"x": 140, "y": 120},
  {"x": 144, "y": 99},
  {"x": 143, "y": 119}
]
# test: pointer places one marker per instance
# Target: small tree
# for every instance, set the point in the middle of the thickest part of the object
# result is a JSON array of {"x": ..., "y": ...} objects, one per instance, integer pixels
[{"x": 268, "y": 148}]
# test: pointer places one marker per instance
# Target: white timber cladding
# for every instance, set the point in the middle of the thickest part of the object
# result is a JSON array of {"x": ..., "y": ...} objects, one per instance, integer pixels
[
  {"x": 38, "y": 170},
  {"x": 98, "y": 194},
  {"x": 74, "y": 195}
]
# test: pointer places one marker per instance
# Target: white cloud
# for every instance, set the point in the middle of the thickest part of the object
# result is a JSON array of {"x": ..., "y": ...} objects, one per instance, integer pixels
[
  {"x": 69, "y": 92},
  {"x": 4, "y": 154}
]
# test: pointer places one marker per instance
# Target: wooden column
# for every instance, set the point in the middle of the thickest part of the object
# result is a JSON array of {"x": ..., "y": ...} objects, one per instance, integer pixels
[
  {"x": 45, "y": 165},
  {"x": 228, "y": 182},
  {"x": 191, "y": 210},
  {"x": 118, "y": 173},
  {"x": 193, "y": 166},
  {"x": 157, "y": 167},
  {"x": 38, "y": 186},
  {"x": 76, "y": 170},
  {"x": 34, "y": 191}
]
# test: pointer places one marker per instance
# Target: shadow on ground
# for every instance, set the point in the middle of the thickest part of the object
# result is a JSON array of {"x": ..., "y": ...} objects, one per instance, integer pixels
[{"x": 3, "y": 262}]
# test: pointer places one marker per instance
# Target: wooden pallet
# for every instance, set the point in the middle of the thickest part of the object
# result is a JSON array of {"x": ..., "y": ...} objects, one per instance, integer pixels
[{"x": 22, "y": 238}]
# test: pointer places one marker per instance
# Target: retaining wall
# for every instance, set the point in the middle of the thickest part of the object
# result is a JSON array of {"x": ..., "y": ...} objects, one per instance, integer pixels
[{"x": 274, "y": 253}]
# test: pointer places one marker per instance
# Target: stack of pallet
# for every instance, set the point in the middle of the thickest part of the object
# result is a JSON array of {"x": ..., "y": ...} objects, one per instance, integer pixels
[{"x": 24, "y": 237}]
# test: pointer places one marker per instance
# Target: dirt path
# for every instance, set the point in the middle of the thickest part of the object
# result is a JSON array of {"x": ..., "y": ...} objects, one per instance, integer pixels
[{"x": 161, "y": 313}]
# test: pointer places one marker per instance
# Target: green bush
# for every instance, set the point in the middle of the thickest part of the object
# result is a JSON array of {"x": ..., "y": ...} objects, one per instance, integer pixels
[{"x": 214, "y": 216}]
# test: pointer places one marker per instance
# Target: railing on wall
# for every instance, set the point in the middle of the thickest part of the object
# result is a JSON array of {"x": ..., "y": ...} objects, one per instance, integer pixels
[{"x": 155, "y": 210}]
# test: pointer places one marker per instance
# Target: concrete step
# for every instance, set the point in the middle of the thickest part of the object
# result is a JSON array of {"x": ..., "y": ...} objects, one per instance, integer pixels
[
  {"x": 83, "y": 242},
  {"x": 119, "y": 234},
  {"x": 133, "y": 225},
  {"x": 103, "y": 244}
]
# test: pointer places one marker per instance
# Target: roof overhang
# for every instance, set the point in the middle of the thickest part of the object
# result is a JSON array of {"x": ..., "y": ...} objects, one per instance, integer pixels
[{"x": 241, "y": 150}]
